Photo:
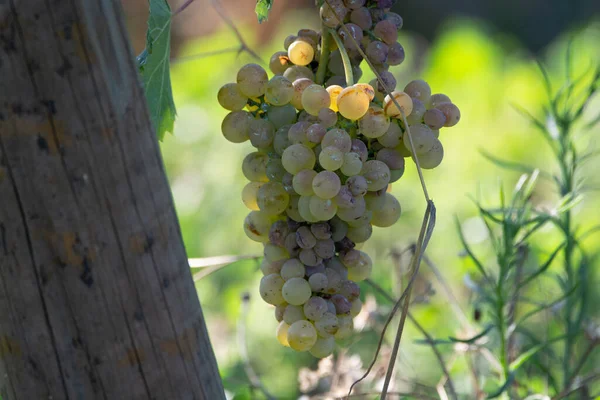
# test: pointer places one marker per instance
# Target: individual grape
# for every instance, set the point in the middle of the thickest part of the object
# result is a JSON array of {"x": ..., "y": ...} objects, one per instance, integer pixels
[
  {"x": 274, "y": 253},
  {"x": 336, "y": 265},
  {"x": 271, "y": 267},
  {"x": 301, "y": 52},
  {"x": 350, "y": 40},
  {"x": 298, "y": 157},
  {"x": 361, "y": 17},
  {"x": 375, "y": 200},
  {"x": 282, "y": 116},
  {"x": 249, "y": 195},
  {"x": 386, "y": 30},
  {"x": 333, "y": 13},
  {"x": 296, "y": 72},
  {"x": 252, "y": 80},
  {"x": 281, "y": 140},
  {"x": 389, "y": 81},
  {"x": 354, "y": 4},
  {"x": 302, "y": 182},
  {"x": 334, "y": 281},
  {"x": 327, "y": 325},
  {"x": 377, "y": 14},
  {"x": 261, "y": 133},
  {"x": 355, "y": 211},
  {"x": 291, "y": 245},
  {"x": 326, "y": 184},
  {"x": 451, "y": 112},
  {"x": 360, "y": 234},
  {"x": 433, "y": 157},
  {"x": 309, "y": 33},
  {"x": 316, "y": 132},
  {"x": 392, "y": 137},
  {"x": 254, "y": 167},
  {"x": 374, "y": 123},
  {"x": 352, "y": 103},
  {"x": 437, "y": 99},
  {"x": 395, "y": 18},
  {"x": 327, "y": 117},
  {"x": 352, "y": 165},
  {"x": 257, "y": 225},
  {"x": 334, "y": 92},
  {"x": 377, "y": 52},
  {"x": 314, "y": 98},
  {"x": 297, "y": 133},
  {"x": 292, "y": 268},
  {"x": 391, "y": 157},
  {"x": 279, "y": 62},
  {"x": 306, "y": 117},
  {"x": 277, "y": 233},
  {"x": 299, "y": 85},
  {"x": 321, "y": 231},
  {"x": 231, "y": 98},
  {"x": 396, "y": 174},
  {"x": 357, "y": 185},
  {"x": 403, "y": 100},
  {"x": 337, "y": 138},
  {"x": 272, "y": 198},
  {"x": 279, "y": 310},
  {"x": 315, "y": 308},
  {"x": 296, "y": 291},
  {"x": 317, "y": 269},
  {"x": 350, "y": 290},
  {"x": 323, "y": 347},
  {"x": 377, "y": 174},
  {"x": 403, "y": 149},
  {"x": 342, "y": 305},
  {"x": 360, "y": 270},
  {"x": 305, "y": 238},
  {"x": 292, "y": 314},
  {"x": 422, "y": 139},
  {"x": 345, "y": 327},
  {"x": 367, "y": 89},
  {"x": 356, "y": 307},
  {"x": 271, "y": 287},
  {"x": 396, "y": 54},
  {"x": 235, "y": 126},
  {"x": 318, "y": 283},
  {"x": 287, "y": 182},
  {"x": 309, "y": 258},
  {"x": 325, "y": 248},
  {"x": 338, "y": 229},
  {"x": 416, "y": 116},
  {"x": 388, "y": 214},
  {"x": 434, "y": 118},
  {"x": 344, "y": 198},
  {"x": 418, "y": 89},
  {"x": 281, "y": 333},
  {"x": 331, "y": 158},
  {"x": 304, "y": 209},
  {"x": 359, "y": 147},
  {"x": 279, "y": 91},
  {"x": 287, "y": 42},
  {"x": 322, "y": 209},
  {"x": 301, "y": 335}
]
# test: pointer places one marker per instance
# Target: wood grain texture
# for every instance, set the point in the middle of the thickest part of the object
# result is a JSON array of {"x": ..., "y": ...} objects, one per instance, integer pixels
[{"x": 96, "y": 297}]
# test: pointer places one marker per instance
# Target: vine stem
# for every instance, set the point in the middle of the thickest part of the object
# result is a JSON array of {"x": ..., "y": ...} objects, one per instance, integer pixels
[
  {"x": 345, "y": 58},
  {"x": 324, "y": 59}
]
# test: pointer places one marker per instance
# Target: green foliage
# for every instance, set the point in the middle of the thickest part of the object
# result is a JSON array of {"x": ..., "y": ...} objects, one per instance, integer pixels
[
  {"x": 262, "y": 10},
  {"x": 153, "y": 64}
]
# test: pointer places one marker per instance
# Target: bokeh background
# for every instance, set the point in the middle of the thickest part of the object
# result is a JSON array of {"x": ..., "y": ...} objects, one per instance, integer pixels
[{"x": 480, "y": 53}]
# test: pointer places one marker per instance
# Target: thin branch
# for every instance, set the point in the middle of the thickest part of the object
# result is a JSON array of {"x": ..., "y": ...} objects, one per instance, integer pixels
[
  {"x": 243, "y": 46},
  {"x": 213, "y": 264},
  {"x": 182, "y": 7}
]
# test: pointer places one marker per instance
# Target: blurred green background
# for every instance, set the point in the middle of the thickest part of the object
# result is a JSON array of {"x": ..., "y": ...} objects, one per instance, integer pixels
[{"x": 483, "y": 71}]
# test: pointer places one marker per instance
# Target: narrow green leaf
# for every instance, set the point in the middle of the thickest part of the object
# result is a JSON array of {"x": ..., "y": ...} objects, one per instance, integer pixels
[
  {"x": 474, "y": 338},
  {"x": 153, "y": 64},
  {"x": 543, "y": 268},
  {"x": 511, "y": 165},
  {"x": 497, "y": 393},
  {"x": 262, "y": 9},
  {"x": 531, "y": 352}
]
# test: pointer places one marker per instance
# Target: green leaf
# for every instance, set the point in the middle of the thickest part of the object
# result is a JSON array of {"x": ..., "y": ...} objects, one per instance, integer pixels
[
  {"x": 153, "y": 64},
  {"x": 474, "y": 338},
  {"x": 262, "y": 9},
  {"x": 531, "y": 352}
]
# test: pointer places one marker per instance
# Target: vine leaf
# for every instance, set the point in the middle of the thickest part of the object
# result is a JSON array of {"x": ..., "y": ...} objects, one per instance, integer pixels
[
  {"x": 262, "y": 9},
  {"x": 153, "y": 64}
]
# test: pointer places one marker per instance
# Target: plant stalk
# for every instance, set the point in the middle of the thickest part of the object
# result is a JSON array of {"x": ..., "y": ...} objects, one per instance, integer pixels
[
  {"x": 345, "y": 58},
  {"x": 324, "y": 59}
]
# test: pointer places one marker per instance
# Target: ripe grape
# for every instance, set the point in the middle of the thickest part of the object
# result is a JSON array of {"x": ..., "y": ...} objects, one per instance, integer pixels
[
  {"x": 418, "y": 89},
  {"x": 281, "y": 333},
  {"x": 252, "y": 80},
  {"x": 404, "y": 102},
  {"x": 301, "y": 335},
  {"x": 422, "y": 139},
  {"x": 296, "y": 291},
  {"x": 433, "y": 157},
  {"x": 279, "y": 62},
  {"x": 314, "y": 98},
  {"x": 377, "y": 174},
  {"x": 451, "y": 112},
  {"x": 301, "y": 52},
  {"x": 434, "y": 118},
  {"x": 271, "y": 289},
  {"x": 374, "y": 123},
  {"x": 318, "y": 283},
  {"x": 353, "y": 103},
  {"x": 351, "y": 164},
  {"x": 296, "y": 72},
  {"x": 292, "y": 268},
  {"x": 437, "y": 99},
  {"x": 298, "y": 157},
  {"x": 388, "y": 214},
  {"x": 249, "y": 194},
  {"x": 279, "y": 91},
  {"x": 323, "y": 347},
  {"x": 292, "y": 314},
  {"x": 236, "y": 125},
  {"x": 315, "y": 307},
  {"x": 231, "y": 98},
  {"x": 326, "y": 184}
]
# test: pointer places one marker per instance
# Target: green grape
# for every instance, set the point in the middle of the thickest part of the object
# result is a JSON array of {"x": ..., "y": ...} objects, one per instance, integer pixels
[
  {"x": 301, "y": 52},
  {"x": 418, "y": 89},
  {"x": 377, "y": 174},
  {"x": 374, "y": 123},
  {"x": 254, "y": 167},
  {"x": 357, "y": 185},
  {"x": 328, "y": 117},
  {"x": 261, "y": 133},
  {"x": 339, "y": 229},
  {"x": 257, "y": 225},
  {"x": 279, "y": 62},
  {"x": 396, "y": 174},
  {"x": 326, "y": 184},
  {"x": 282, "y": 116},
  {"x": 437, "y": 99},
  {"x": 299, "y": 85},
  {"x": 334, "y": 281},
  {"x": 315, "y": 98},
  {"x": 388, "y": 214},
  {"x": 337, "y": 138},
  {"x": 331, "y": 158},
  {"x": 451, "y": 112},
  {"x": 416, "y": 116},
  {"x": 292, "y": 314},
  {"x": 352, "y": 164},
  {"x": 281, "y": 333},
  {"x": 231, "y": 98},
  {"x": 360, "y": 233},
  {"x": 252, "y": 80},
  {"x": 327, "y": 325},
  {"x": 345, "y": 327},
  {"x": 298, "y": 157},
  {"x": 288, "y": 41},
  {"x": 270, "y": 289},
  {"x": 392, "y": 137},
  {"x": 279, "y": 310},
  {"x": 301, "y": 335},
  {"x": 296, "y": 72},
  {"x": 356, "y": 307},
  {"x": 304, "y": 209},
  {"x": 433, "y": 157},
  {"x": 249, "y": 194},
  {"x": 272, "y": 198},
  {"x": 361, "y": 269},
  {"x": 315, "y": 307},
  {"x": 323, "y": 347},
  {"x": 318, "y": 283},
  {"x": 325, "y": 248},
  {"x": 322, "y": 209},
  {"x": 304, "y": 238},
  {"x": 270, "y": 267},
  {"x": 353, "y": 103},
  {"x": 296, "y": 291},
  {"x": 423, "y": 139},
  {"x": 236, "y": 125},
  {"x": 316, "y": 132},
  {"x": 302, "y": 182},
  {"x": 281, "y": 140},
  {"x": 434, "y": 118},
  {"x": 364, "y": 219},
  {"x": 336, "y": 265},
  {"x": 333, "y": 13},
  {"x": 375, "y": 200},
  {"x": 309, "y": 258},
  {"x": 355, "y": 211},
  {"x": 292, "y": 209},
  {"x": 391, "y": 157},
  {"x": 403, "y": 100},
  {"x": 279, "y": 91},
  {"x": 311, "y": 34},
  {"x": 275, "y": 253},
  {"x": 297, "y": 133}
]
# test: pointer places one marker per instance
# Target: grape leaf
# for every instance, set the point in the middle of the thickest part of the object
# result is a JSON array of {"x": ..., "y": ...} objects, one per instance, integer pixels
[
  {"x": 262, "y": 9},
  {"x": 153, "y": 64}
]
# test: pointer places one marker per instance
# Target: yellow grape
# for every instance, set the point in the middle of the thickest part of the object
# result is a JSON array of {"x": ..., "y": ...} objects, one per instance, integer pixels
[
  {"x": 314, "y": 98},
  {"x": 301, "y": 52},
  {"x": 301, "y": 335},
  {"x": 368, "y": 89},
  {"x": 353, "y": 103},
  {"x": 282, "y": 331},
  {"x": 334, "y": 91},
  {"x": 403, "y": 100}
]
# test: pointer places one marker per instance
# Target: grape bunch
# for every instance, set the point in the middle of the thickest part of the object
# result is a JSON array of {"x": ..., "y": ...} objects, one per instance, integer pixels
[{"x": 325, "y": 157}]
